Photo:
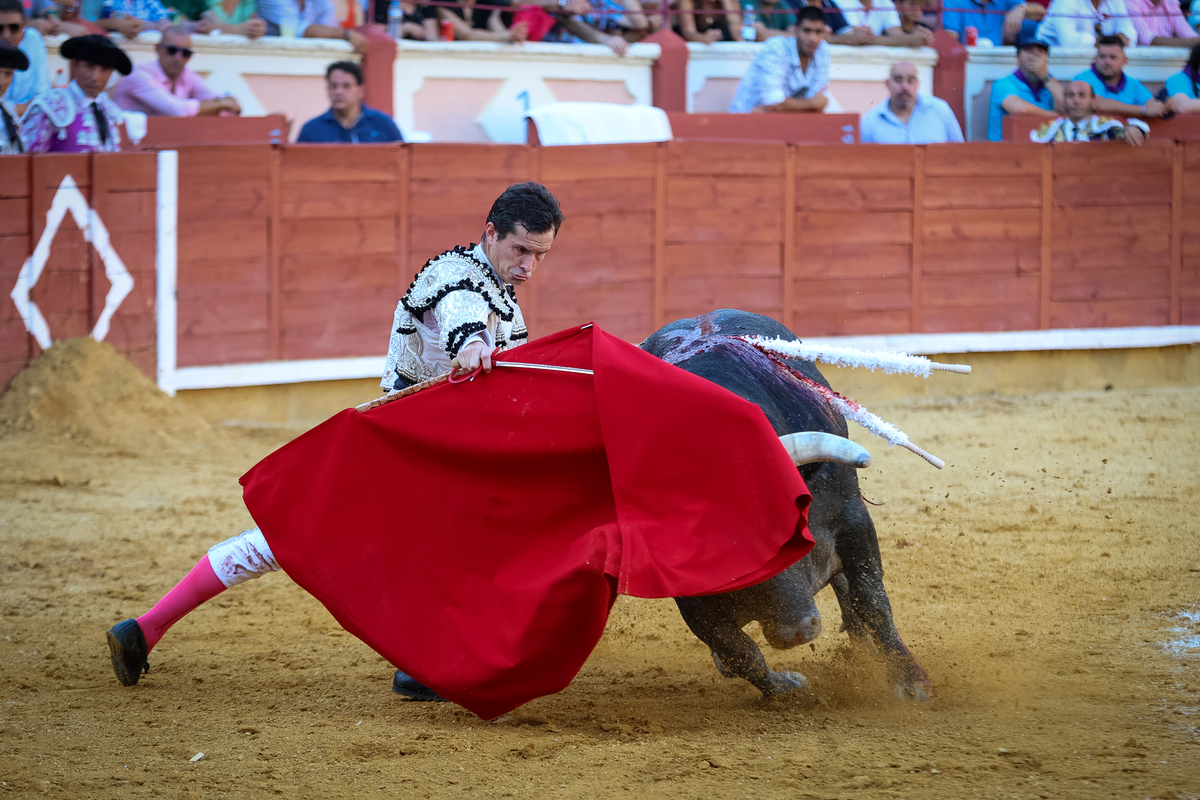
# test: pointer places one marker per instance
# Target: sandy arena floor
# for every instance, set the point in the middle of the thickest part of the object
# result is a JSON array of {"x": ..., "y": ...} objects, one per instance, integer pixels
[{"x": 1039, "y": 579}]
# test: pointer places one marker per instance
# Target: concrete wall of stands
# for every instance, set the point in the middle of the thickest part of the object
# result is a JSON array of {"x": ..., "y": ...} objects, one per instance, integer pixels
[{"x": 301, "y": 252}]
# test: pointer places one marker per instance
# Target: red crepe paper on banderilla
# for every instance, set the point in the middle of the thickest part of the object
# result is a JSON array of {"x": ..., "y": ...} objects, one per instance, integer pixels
[{"x": 476, "y": 535}]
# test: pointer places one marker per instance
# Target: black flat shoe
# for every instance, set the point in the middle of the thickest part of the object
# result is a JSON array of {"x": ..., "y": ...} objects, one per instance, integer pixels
[
  {"x": 127, "y": 646},
  {"x": 407, "y": 686}
]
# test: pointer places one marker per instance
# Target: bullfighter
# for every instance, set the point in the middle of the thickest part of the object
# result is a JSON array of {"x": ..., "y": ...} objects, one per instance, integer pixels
[
  {"x": 80, "y": 117},
  {"x": 11, "y": 60},
  {"x": 460, "y": 307}
]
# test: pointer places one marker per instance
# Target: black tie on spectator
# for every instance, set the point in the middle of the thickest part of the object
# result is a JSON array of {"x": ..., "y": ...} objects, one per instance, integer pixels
[
  {"x": 101, "y": 122},
  {"x": 10, "y": 129}
]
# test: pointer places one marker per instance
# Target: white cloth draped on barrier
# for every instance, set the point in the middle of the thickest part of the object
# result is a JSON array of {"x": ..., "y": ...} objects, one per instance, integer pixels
[{"x": 600, "y": 123}]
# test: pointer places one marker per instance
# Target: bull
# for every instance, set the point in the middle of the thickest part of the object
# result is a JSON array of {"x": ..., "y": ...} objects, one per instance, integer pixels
[{"x": 846, "y": 550}]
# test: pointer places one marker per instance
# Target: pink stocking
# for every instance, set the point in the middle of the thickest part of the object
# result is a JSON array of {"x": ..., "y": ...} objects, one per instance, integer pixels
[{"x": 200, "y": 585}]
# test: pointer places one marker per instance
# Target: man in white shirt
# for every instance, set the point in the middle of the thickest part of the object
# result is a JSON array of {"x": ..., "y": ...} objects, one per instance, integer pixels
[
  {"x": 788, "y": 74},
  {"x": 908, "y": 117},
  {"x": 1072, "y": 23}
]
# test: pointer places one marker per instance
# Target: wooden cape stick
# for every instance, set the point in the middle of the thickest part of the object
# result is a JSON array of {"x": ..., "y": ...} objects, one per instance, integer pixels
[{"x": 390, "y": 396}]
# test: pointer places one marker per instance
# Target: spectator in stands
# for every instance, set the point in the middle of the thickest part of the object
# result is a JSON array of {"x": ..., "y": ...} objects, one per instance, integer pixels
[
  {"x": 418, "y": 22},
  {"x": 772, "y": 18},
  {"x": 908, "y": 117},
  {"x": 239, "y": 17},
  {"x": 12, "y": 60},
  {"x": 1116, "y": 92},
  {"x": 348, "y": 120},
  {"x": 482, "y": 25},
  {"x": 618, "y": 23},
  {"x": 58, "y": 17},
  {"x": 1073, "y": 23},
  {"x": 167, "y": 88},
  {"x": 1081, "y": 124},
  {"x": 1160, "y": 23},
  {"x": 788, "y": 74},
  {"x": 913, "y": 22},
  {"x": 1182, "y": 94},
  {"x": 873, "y": 19},
  {"x": 36, "y": 79},
  {"x": 79, "y": 118},
  {"x": 710, "y": 28},
  {"x": 1029, "y": 90},
  {"x": 311, "y": 19},
  {"x": 131, "y": 17},
  {"x": 986, "y": 17},
  {"x": 837, "y": 29}
]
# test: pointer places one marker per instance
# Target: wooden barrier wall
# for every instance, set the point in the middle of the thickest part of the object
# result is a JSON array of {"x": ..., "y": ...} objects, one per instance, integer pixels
[
  {"x": 302, "y": 252},
  {"x": 120, "y": 188}
]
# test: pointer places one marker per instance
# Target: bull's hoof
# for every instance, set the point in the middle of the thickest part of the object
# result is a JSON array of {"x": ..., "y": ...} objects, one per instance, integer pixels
[
  {"x": 784, "y": 682},
  {"x": 913, "y": 690}
]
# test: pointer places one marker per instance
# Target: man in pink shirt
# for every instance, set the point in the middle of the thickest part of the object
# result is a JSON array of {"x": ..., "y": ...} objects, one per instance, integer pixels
[
  {"x": 1160, "y": 23},
  {"x": 167, "y": 88}
]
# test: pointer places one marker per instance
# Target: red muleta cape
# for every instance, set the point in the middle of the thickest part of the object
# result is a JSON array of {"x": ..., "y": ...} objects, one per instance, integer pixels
[{"x": 476, "y": 535}]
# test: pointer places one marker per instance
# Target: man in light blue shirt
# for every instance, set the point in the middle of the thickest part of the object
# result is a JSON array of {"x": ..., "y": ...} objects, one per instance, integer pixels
[
  {"x": 1116, "y": 92},
  {"x": 985, "y": 16},
  {"x": 1029, "y": 90},
  {"x": 35, "y": 80},
  {"x": 788, "y": 74},
  {"x": 908, "y": 117}
]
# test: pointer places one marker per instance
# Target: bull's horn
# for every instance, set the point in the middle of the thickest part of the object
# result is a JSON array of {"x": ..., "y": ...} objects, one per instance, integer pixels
[{"x": 810, "y": 446}]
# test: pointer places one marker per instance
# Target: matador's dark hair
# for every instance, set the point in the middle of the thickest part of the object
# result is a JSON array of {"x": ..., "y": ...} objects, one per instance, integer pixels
[{"x": 529, "y": 205}]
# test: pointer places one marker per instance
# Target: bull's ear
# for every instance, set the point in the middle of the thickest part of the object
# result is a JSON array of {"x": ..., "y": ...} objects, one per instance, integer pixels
[{"x": 809, "y": 447}]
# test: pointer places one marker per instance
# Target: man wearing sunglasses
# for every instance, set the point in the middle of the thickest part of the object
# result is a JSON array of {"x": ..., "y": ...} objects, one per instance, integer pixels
[
  {"x": 35, "y": 80},
  {"x": 167, "y": 88}
]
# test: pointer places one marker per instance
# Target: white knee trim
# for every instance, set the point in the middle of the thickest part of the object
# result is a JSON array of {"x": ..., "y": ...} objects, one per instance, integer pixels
[{"x": 242, "y": 558}]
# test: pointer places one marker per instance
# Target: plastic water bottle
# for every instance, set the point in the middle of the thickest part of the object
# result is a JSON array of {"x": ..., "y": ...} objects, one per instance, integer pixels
[
  {"x": 394, "y": 17},
  {"x": 749, "y": 34}
]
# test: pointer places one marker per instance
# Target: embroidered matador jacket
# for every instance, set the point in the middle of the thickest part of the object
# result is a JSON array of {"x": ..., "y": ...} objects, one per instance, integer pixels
[
  {"x": 456, "y": 298},
  {"x": 66, "y": 121},
  {"x": 1092, "y": 129},
  {"x": 10, "y": 129}
]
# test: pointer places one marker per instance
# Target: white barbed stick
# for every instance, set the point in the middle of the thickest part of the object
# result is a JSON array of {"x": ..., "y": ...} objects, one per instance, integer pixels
[{"x": 839, "y": 356}]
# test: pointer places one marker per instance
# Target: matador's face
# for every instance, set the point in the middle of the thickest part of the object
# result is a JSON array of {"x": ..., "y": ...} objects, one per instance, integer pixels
[{"x": 518, "y": 254}]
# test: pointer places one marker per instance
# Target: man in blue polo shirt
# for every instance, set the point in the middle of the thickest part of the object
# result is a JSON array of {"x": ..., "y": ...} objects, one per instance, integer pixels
[
  {"x": 1029, "y": 90},
  {"x": 996, "y": 20},
  {"x": 907, "y": 116},
  {"x": 1116, "y": 92},
  {"x": 348, "y": 121}
]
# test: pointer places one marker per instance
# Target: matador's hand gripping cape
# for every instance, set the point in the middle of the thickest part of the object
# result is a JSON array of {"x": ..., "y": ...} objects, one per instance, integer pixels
[{"x": 476, "y": 535}]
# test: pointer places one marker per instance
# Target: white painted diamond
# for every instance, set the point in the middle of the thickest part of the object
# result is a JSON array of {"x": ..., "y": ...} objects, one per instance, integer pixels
[{"x": 69, "y": 198}]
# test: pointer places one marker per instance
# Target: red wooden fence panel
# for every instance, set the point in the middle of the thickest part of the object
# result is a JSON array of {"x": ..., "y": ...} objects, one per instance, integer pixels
[
  {"x": 602, "y": 264},
  {"x": 1112, "y": 245},
  {"x": 854, "y": 233},
  {"x": 1190, "y": 235},
  {"x": 15, "y": 246},
  {"x": 225, "y": 199}
]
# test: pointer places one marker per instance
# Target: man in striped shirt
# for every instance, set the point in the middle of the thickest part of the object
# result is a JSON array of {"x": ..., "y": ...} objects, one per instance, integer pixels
[{"x": 1160, "y": 23}]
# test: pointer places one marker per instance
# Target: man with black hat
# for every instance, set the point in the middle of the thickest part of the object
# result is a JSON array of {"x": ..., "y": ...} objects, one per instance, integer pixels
[
  {"x": 79, "y": 118},
  {"x": 1029, "y": 90},
  {"x": 11, "y": 60}
]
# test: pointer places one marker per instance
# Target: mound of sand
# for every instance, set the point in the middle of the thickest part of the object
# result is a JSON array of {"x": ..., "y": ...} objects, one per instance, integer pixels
[{"x": 84, "y": 390}]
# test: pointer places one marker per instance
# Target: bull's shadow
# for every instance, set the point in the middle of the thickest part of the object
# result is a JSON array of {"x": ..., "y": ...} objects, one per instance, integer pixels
[{"x": 846, "y": 553}]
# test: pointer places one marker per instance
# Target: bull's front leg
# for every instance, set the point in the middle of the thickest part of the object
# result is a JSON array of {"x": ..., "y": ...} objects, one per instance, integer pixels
[
  {"x": 866, "y": 608},
  {"x": 735, "y": 654}
]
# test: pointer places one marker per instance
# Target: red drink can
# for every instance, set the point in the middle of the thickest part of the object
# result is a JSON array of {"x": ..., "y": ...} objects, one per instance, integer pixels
[
  {"x": 447, "y": 30},
  {"x": 972, "y": 35}
]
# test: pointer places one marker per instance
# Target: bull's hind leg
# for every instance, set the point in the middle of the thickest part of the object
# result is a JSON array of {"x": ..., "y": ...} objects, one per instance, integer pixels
[
  {"x": 865, "y": 606},
  {"x": 735, "y": 654}
]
